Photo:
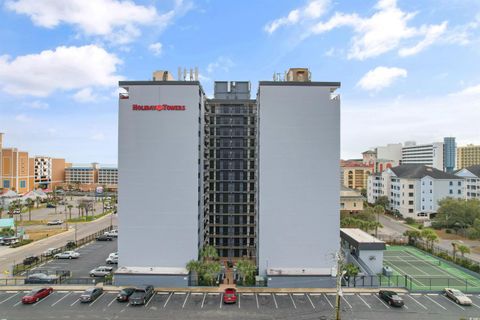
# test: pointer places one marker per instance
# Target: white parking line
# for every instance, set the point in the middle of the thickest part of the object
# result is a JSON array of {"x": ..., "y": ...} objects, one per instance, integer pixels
[
  {"x": 179, "y": 293},
  {"x": 417, "y": 302},
  {"x": 315, "y": 294},
  {"x": 294, "y": 305},
  {"x": 365, "y": 294},
  {"x": 151, "y": 298},
  {"x": 263, "y": 294},
  {"x": 298, "y": 294},
  {"x": 281, "y": 294},
  {"x": 256, "y": 298},
  {"x": 111, "y": 302},
  {"x": 343, "y": 297},
  {"x": 247, "y": 294},
  {"x": 196, "y": 293},
  {"x": 239, "y": 301},
  {"x": 39, "y": 301},
  {"x": 203, "y": 301},
  {"x": 383, "y": 302},
  {"x": 221, "y": 301},
  {"x": 78, "y": 299},
  {"x": 53, "y": 304},
  {"x": 93, "y": 302},
  {"x": 331, "y": 305},
  {"x": 186, "y": 298},
  {"x": 16, "y": 304},
  {"x": 311, "y": 301},
  {"x": 275, "y": 301},
  {"x": 364, "y": 302},
  {"x": 438, "y": 304},
  {"x": 10, "y": 297},
  {"x": 476, "y": 305},
  {"x": 454, "y": 303},
  {"x": 168, "y": 299}
]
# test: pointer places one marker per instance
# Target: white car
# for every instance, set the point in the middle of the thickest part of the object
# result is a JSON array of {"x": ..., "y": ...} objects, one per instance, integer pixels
[
  {"x": 113, "y": 254},
  {"x": 67, "y": 255},
  {"x": 50, "y": 252},
  {"x": 101, "y": 271},
  {"x": 112, "y": 233},
  {"x": 458, "y": 296},
  {"x": 112, "y": 260}
]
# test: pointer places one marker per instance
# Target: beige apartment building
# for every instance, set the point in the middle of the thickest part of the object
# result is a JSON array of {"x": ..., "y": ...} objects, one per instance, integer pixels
[
  {"x": 351, "y": 200},
  {"x": 354, "y": 174},
  {"x": 468, "y": 156}
]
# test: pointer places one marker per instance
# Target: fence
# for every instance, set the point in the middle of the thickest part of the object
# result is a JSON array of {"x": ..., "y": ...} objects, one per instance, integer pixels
[
  {"x": 20, "y": 281},
  {"x": 20, "y": 267}
]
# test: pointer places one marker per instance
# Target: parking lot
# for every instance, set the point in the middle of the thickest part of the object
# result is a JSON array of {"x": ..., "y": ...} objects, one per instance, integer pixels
[
  {"x": 199, "y": 305},
  {"x": 92, "y": 255}
]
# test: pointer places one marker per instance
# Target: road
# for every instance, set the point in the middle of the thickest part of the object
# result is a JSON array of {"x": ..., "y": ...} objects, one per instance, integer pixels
[
  {"x": 394, "y": 228},
  {"x": 9, "y": 256}
]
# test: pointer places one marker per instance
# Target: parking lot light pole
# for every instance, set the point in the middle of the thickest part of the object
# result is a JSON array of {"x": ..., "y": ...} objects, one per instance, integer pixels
[{"x": 339, "y": 293}]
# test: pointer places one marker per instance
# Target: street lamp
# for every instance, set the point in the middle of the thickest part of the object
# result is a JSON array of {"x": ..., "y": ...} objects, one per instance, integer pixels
[{"x": 339, "y": 294}]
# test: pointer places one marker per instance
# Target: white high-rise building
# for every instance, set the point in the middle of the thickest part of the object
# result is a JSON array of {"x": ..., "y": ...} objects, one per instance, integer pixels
[{"x": 427, "y": 154}]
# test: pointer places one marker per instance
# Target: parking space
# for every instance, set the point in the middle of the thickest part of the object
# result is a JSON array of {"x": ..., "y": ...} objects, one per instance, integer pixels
[
  {"x": 368, "y": 305},
  {"x": 92, "y": 255}
]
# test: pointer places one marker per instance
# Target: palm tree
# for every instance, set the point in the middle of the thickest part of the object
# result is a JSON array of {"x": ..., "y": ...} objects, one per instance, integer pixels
[
  {"x": 378, "y": 209},
  {"x": 30, "y": 205},
  {"x": 463, "y": 249},
  {"x": 194, "y": 267},
  {"x": 430, "y": 236},
  {"x": 211, "y": 270},
  {"x": 209, "y": 253},
  {"x": 246, "y": 269},
  {"x": 413, "y": 235},
  {"x": 70, "y": 211}
]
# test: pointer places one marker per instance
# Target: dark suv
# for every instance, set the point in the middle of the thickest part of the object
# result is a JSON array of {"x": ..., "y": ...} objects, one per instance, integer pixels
[
  {"x": 30, "y": 260},
  {"x": 141, "y": 295}
]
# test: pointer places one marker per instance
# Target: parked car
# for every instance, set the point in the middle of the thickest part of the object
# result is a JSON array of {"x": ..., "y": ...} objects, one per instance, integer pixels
[
  {"x": 458, "y": 296},
  {"x": 112, "y": 260},
  {"x": 50, "y": 252},
  {"x": 54, "y": 222},
  {"x": 104, "y": 237},
  {"x": 391, "y": 297},
  {"x": 101, "y": 271},
  {"x": 36, "y": 295},
  {"x": 9, "y": 241},
  {"x": 141, "y": 295},
  {"x": 230, "y": 295},
  {"x": 113, "y": 254},
  {"x": 125, "y": 294},
  {"x": 112, "y": 233},
  {"x": 91, "y": 294},
  {"x": 37, "y": 278},
  {"x": 67, "y": 255},
  {"x": 30, "y": 260},
  {"x": 16, "y": 211},
  {"x": 49, "y": 205}
]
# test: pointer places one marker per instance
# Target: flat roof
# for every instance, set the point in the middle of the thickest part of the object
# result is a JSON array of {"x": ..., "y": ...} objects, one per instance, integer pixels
[
  {"x": 361, "y": 239},
  {"x": 152, "y": 270},
  {"x": 300, "y": 83}
]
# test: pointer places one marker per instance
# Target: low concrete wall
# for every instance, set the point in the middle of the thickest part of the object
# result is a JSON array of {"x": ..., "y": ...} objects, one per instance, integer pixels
[
  {"x": 301, "y": 282},
  {"x": 158, "y": 281}
]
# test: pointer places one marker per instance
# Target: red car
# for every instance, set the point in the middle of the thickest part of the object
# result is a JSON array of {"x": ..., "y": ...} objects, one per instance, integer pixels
[
  {"x": 36, "y": 294},
  {"x": 230, "y": 295}
]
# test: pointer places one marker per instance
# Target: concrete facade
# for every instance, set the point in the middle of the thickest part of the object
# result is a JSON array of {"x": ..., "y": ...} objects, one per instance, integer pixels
[
  {"x": 299, "y": 152},
  {"x": 159, "y": 179},
  {"x": 425, "y": 154}
]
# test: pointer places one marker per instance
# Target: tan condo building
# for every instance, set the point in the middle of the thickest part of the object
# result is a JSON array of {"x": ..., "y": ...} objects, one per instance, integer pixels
[
  {"x": 468, "y": 156},
  {"x": 354, "y": 174}
]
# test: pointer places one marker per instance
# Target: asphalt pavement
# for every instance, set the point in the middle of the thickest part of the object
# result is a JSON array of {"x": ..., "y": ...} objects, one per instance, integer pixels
[
  {"x": 203, "y": 305},
  {"x": 9, "y": 256}
]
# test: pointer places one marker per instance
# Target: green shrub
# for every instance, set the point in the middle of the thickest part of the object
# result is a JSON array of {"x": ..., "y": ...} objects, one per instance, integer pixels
[
  {"x": 448, "y": 231},
  {"x": 409, "y": 220}
]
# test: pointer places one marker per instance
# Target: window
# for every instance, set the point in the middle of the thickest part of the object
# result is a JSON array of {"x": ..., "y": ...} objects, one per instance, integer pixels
[
  {"x": 430, "y": 182},
  {"x": 451, "y": 183},
  {"x": 410, "y": 210},
  {"x": 451, "y": 191},
  {"x": 459, "y": 183},
  {"x": 410, "y": 194},
  {"x": 23, "y": 184},
  {"x": 410, "y": 186},
  {"x": 459, "y": 192},
  {"x": 6, "y": 184}
]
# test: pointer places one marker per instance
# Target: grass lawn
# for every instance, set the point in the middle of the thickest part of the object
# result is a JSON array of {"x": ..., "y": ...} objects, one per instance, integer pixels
[{"x": 42, "y": 234}]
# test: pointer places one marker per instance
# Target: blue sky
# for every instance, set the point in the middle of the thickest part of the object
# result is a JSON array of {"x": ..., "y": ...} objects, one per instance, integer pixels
[{"x": 409, "y": 69}]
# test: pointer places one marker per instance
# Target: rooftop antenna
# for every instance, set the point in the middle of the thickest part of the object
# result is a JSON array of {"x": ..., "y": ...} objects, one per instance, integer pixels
[
  {"x": 196, "y": 73},
  {"x": 184, "y": 74},
  {"x": 179, "y": 73}
]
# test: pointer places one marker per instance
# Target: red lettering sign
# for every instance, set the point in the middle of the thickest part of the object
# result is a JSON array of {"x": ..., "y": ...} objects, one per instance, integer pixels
[{"x": 158, "y": 107}]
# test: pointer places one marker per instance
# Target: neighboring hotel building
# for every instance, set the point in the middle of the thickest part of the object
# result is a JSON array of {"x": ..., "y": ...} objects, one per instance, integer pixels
[
  {"x": 49, "y": 172},
  {"x": 257, "y": 179},
  {"x": 88, "y": 177},
  {"x": 414, "y": 190},
  {"x": 468, "y": 156},
  {"x": 472, "y": 181},
  {"x": 354, "y": 174},
  {"x": 426, "y": 154}
]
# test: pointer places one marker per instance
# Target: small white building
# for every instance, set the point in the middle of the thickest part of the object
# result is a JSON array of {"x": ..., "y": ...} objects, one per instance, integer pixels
[
  {"x": 471, "y": 176},
  {"x": 425, "y": 154},
  {"x": 363, "y": 250},
  {"x": 415, "y": 190}
]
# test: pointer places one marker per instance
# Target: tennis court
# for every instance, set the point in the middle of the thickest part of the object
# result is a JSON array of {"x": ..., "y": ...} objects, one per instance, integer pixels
[{"x": 425, "y": 272}]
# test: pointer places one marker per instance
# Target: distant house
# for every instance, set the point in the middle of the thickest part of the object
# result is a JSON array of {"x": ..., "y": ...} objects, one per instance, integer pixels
[{"x": 351, "y": 200}]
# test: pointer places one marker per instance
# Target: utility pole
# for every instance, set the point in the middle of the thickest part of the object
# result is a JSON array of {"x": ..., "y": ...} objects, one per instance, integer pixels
[{"x": 340, "y": 274}]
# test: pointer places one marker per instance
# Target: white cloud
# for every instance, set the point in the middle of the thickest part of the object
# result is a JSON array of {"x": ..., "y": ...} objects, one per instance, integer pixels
[
  {"x": 39, "y": 105},
  {"x": 156, "y": 48},
  {"x": 23, "y": 118},
  {"x": 85, "y": 95},
  {"x": 384, "y": 31},
  {"x": 117, "y": 21},
  {"x": 222, "y": 63},
  {"x": 65, "y": 68},
  {"x": 469, "y": 91},
  {"x": 380, "y": 78},
  {"x": 313, "y": 10}
]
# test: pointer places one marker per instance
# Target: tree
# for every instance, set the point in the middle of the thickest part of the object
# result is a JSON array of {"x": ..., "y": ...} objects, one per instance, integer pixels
[
  {"x": 463, "y": 249},
  {"x": 194, "y": 267},
  {"x": 247, "y": 269},
  {"x": 209, "y": 253},
  {"x": 382, "y": 201},
  {"x": 378, "y": 209},
  {"x": 1, "y": 211},
  {"x": 30, "y": 205},
  {"x": 70, "y": 211},
  {"x": 413, "y": 235},
  {"x": 37, "y": 200},
  {"x": 430, "y": 236},
  {"x": 363, "y": 192}
]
